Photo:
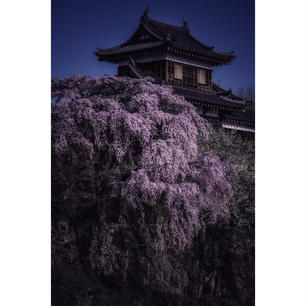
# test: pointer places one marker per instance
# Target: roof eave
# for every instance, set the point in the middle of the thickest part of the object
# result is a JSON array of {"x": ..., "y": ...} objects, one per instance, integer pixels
[
  {"x": 215, "y": 59},
  {"x": 117, "y": 57}
]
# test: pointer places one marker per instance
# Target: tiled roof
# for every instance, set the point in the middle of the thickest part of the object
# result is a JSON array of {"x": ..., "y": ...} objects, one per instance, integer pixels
[
  {"x": 128, "y": 48},
  {"x": 182, "y": 39},
  {"x": 210, "y": 98},
  {"x": 247, "y": 115}
]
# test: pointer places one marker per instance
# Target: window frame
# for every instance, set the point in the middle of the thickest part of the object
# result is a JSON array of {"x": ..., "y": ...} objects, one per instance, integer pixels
[{"x": 178, "y": 69}]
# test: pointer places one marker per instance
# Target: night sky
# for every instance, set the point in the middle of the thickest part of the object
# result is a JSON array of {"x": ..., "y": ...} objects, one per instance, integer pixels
[{"x": 79, "y": 26}]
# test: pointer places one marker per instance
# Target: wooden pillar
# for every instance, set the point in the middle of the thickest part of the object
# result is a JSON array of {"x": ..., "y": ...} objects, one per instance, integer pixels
[
  {"x": 161, "y": 69},
  {"x": 166, "y": 64}
]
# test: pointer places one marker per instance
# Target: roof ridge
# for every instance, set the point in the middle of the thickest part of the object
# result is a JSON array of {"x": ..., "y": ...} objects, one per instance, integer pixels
[{"x": 151, "y": 31}]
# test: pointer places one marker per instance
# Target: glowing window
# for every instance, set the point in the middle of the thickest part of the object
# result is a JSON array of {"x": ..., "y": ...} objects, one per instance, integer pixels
[
  {"x": 201, "y": 76},
  {"x": 178, "y": 72}
]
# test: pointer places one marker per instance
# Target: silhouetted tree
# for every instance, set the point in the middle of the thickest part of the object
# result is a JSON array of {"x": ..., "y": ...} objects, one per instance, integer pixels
[{"x": 247, "y": 93}]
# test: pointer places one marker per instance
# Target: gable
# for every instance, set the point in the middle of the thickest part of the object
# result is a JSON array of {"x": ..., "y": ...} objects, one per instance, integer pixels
[{"x": 141, "y": 35}]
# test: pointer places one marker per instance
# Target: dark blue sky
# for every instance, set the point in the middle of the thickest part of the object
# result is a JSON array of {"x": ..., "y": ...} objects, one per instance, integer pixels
[{"x": 79, "y": 26}]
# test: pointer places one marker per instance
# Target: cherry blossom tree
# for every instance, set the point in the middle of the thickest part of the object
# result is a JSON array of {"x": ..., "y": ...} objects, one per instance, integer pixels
[{"x": 130, "y": 181}]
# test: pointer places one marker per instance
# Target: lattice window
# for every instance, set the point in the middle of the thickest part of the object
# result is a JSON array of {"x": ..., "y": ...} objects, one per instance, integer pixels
[
  {"x": 201, "y": 76},
  {"x": 178, "y": 72}
]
